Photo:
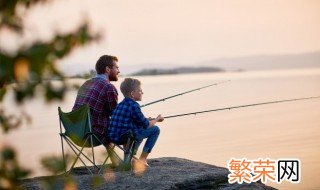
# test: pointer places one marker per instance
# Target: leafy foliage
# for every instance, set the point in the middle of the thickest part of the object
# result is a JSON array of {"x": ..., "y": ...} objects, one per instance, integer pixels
[
  {"x": 10, "y": 171},
  {"x": 35, "y": 65},
  {"x": 24, "y": 71},
  {"x": 10, "y": 16},
  {"x": 54, "y": 164}
]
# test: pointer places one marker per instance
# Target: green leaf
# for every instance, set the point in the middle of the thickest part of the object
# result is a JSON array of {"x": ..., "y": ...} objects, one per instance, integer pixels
[
  {"x": 2, "y": 93},
  {"x": 7, "y": 154}
]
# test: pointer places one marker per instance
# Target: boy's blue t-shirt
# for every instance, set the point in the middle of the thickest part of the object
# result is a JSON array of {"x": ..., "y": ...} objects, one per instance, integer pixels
[{"x": 126, "y": 116}]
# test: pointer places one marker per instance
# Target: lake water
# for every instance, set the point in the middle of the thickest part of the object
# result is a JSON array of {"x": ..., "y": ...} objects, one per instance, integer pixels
[{"x": 275, "y": 131}]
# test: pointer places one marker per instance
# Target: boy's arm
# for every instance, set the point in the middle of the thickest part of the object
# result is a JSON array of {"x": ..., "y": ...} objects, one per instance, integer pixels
[{"x": 138, "y": 117}]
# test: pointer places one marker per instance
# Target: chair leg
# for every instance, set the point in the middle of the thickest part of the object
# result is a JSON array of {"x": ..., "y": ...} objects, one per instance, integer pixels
[
  {"x": 111, "y": 152},
  {"x": 128, "y": 152},
  {"x": 78, "y": 157},
  {"x": 74, "y": 146},
  {"x": 64, "y": 160},
  {"x": 131, "y": 153},
  {"x": 103, "y": 164},
  {"x": 114, "y": 157},
  {"x": 78, "y": 152},
  {"x": 94, "y": 162},
  {"x": 124, "y": 151}
]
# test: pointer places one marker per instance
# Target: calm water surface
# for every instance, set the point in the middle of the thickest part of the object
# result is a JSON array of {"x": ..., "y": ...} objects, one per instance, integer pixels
[{"x": 286, "y": 130}]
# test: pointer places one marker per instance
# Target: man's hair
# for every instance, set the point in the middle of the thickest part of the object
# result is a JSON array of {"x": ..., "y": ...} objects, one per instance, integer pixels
[
  {"x": 129, "y": 85},
  {"x": 105, "y": 61}
]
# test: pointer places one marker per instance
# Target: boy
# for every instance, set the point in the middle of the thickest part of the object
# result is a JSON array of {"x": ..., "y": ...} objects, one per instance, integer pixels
[{"x": 128, "y": 116}]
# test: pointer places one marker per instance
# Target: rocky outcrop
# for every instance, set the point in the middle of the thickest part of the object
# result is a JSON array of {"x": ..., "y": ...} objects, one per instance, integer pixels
[{"x": 163, "y": 173}]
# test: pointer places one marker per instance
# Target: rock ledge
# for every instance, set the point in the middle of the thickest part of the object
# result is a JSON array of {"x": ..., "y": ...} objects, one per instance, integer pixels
[{"x": 163, "y": 173}]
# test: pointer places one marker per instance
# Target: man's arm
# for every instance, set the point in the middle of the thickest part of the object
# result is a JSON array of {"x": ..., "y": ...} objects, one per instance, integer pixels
[{"x": 112, "y": 98}]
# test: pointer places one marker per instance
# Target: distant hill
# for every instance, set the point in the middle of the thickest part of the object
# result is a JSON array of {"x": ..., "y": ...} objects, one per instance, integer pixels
[
  {"x": 245, "y": 63},
  {"x": 179, "y": 70},
  {"x": 266, "y": 62}
]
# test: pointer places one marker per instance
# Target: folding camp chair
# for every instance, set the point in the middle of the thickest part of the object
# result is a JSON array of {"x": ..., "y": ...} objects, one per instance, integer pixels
[{"x": 78, "y": 135}]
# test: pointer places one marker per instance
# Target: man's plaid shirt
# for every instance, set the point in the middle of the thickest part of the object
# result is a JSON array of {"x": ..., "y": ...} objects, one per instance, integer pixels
[
  {"x": 102, "y": 97},
  {"x": 126, "y": 116}
]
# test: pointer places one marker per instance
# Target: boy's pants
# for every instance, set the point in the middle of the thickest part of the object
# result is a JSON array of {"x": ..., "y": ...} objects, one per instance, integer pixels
[{"x": 151, "y": 134}]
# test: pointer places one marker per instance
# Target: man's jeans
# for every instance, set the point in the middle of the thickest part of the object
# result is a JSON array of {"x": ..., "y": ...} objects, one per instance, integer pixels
[{"x": 151, "y": 134}]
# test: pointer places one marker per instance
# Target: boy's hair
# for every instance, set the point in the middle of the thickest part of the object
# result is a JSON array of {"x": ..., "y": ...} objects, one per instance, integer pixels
[
  {"x": 103, "y": 62},
  {"x": 129, "y": 85}
]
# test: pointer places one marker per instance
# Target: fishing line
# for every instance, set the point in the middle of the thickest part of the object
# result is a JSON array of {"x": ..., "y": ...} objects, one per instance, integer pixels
[
  {"x": 180, "y": 94},
  {"x": 241, "y": 106}
]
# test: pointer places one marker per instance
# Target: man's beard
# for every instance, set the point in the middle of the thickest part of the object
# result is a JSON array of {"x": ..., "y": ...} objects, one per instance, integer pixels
[{"x": 113, "y": 77}]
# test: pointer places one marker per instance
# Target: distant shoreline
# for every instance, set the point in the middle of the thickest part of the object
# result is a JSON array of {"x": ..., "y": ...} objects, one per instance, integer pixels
[{"x": 178, "y": 70}]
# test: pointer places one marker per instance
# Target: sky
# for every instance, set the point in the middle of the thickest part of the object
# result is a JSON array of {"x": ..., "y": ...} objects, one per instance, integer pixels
[{"x": 178, "y": 32}]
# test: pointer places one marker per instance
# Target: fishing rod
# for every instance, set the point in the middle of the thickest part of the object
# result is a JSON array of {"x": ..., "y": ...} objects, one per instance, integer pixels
[
  {"x": 242, "y": 106},
  {"x": 180, "y": 94}
]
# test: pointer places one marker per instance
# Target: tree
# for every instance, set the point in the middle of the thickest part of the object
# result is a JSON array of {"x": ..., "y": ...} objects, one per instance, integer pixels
[
  {"x": 33, "y": 65},
  {"x": 28, "y": 68}
]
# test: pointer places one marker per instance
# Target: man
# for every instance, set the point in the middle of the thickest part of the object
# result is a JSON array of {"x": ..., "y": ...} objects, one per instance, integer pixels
[{"x": 100, "y": 95}]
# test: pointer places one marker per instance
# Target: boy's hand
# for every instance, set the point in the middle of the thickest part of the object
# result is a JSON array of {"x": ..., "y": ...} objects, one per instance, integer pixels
[
  {"x": 150, "y": 118},
  {"x": 159, "y": 118}
]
